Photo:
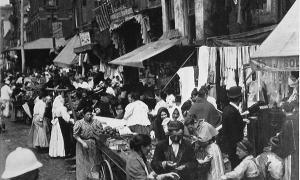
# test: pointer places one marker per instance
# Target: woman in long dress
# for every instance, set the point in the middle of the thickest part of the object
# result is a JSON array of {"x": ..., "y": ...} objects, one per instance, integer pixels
[
  {"x": 39, "y": 124},
  {"x": 61, "y": 117}
]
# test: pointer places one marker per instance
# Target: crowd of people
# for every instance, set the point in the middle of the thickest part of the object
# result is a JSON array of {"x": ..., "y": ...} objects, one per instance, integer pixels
[{"x": 61, "y": 104}]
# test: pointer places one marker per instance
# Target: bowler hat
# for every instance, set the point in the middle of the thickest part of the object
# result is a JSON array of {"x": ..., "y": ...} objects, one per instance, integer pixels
[
  {"x": 234, "y": 92},
  {"x": 175, "y": 125}
]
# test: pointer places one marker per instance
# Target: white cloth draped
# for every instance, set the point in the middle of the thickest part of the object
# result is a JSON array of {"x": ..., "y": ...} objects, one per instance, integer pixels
[
  {"x": 56, "y": 147},
  {"x": 217, "y": 165},
  {"x": 187, "y": 82}
]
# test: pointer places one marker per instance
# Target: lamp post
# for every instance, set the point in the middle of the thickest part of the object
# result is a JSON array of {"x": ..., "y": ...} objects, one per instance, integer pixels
[{"x": 52, "y": 6}]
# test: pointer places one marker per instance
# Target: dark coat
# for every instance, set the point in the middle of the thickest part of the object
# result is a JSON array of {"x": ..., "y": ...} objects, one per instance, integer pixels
[
  {"x": 185, "y": 156},
  {"x": 136, "y": 167},
  {"x": 205, "y": 110},
  {"x": 232, "y": 126}
]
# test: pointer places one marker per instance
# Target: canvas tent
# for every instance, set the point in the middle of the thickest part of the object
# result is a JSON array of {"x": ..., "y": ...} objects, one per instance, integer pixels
[{"x": 280, "y": 51}]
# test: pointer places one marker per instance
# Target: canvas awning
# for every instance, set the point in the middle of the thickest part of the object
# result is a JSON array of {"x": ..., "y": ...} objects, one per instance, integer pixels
[
  {"x": 67, "y": 56},
  {"x": 136, "y": 57},
  {"x": 42, "y": 43},
  {"x": 280, "y": 51}
]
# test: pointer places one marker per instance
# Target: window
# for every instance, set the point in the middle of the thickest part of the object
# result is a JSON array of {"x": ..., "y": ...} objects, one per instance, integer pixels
[{"x": 83, "y": 2}]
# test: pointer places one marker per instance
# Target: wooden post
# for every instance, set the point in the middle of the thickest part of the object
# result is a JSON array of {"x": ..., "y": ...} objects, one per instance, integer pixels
[
  {"x": 165, "y": 15},
  {"x": 199, "y": 19},
  {"x": 22, "y": 35},
  {"x": 181, "y": 16}
]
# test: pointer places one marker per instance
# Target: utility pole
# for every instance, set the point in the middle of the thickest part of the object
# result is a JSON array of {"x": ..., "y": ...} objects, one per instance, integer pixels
[{"x": 22, "y": 35}]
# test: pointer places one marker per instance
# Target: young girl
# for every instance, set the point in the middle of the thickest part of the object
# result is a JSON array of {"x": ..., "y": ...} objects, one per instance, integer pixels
[{"x": 247, "y": 169}]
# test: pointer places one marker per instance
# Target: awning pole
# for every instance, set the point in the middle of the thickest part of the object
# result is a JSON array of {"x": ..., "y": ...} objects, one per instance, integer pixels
[{"x": 178, "y": 68}]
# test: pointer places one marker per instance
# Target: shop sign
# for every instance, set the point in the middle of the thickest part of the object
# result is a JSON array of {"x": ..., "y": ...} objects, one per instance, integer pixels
[
  {"x": 57, "y": 30},
  {"x": 85, "y": 38},
  {"x": 121, "y": 14},
  {"x": 278, "y": 64}
]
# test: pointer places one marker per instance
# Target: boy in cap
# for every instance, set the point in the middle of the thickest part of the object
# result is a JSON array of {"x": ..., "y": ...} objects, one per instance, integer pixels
[{"x": 174, "y": 154}]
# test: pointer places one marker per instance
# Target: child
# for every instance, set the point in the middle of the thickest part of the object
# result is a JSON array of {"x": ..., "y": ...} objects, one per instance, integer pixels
[{"x": 248, "y": 168}]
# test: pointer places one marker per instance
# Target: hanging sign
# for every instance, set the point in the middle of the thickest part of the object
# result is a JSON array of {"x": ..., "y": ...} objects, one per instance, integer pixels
[
  {"x": 121, "y": 14},
  {"x": 277, "y": 63},
  {"x": 57, "y": 30},
  {"x": 85, "y": 38}
]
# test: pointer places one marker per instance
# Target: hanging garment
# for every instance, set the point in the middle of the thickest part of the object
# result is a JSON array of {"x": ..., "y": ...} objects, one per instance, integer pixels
[
  {"x": 217, "y": 165},
  {"x": 187, "y": 82},
  {"x": 203, "y": 58}
]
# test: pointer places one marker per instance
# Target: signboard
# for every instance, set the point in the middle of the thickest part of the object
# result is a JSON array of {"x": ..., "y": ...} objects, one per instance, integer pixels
[
  {"x": 121, "y": 14},
  {"x": 85, "y": 38},
  {"x": 277, "y": 64},
  {"x": 57, "y": 30}
]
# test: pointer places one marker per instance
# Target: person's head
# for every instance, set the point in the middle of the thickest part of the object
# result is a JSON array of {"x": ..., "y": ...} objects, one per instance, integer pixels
[
  {"x": 21, "y": 164},
  {"x": 160, "y": 95},
  {"x": 194, "y": 95},
  {"x": 293, "y": 80},
  {"x": 202, "y": 93},
  {"x": 175, "y": 130},
  {"x": 119, "y": 109},
  {"x": 163, "y": 113},
  {"x": 133, "y": 96},
  {"x": 176, "y": 114},
  {"x": 189, "y": 123},
  {"x": 84, "y": 94},
  {"x": 244, "y": 148},
  {"x": 141, "y": 143},
  {"x": 235, "y": 94},
  {"x": 88, "y": 116}
]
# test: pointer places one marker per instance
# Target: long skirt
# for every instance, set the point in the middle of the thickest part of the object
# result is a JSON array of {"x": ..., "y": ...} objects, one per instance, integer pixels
[
  {"x": 67, "y": 132},
  {"x": 86, "y": 159},
  {"x": 40, "y": 133},
  {"x": 56, "y": 146}
]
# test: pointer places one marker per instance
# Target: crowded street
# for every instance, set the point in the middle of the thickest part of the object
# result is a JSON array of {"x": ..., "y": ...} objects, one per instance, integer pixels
[{"x": 149, "y": 90}]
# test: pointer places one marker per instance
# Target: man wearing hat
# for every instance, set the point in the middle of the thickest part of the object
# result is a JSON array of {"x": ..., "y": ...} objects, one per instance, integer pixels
[
  {"x": 174, "y": 154},
  {"x": 233, "y": 124}
]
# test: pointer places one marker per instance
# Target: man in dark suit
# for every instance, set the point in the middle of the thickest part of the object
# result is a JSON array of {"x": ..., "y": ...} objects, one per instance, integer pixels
[
  {"x": 233, "y": 124},
  {"x": 174, "y": 154}
]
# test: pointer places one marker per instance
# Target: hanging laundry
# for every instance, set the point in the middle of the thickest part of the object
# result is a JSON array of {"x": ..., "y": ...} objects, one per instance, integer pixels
[
  {"x": 145, "y": 27},
  {"x": 187, "y": 82},
  {"x": 203, "y": 58}
]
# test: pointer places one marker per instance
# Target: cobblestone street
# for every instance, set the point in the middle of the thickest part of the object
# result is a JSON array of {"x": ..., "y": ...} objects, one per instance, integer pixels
[{"x": 17, "y": 135}]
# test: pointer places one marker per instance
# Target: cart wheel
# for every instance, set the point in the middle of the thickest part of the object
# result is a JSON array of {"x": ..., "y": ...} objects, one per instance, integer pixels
[{"x": 106, "y": 171}]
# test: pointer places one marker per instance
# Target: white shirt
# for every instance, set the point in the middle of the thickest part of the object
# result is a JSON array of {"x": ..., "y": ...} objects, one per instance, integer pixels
[
  {"x": 6, "y": 92},
  {"x": 137, "y": 113},
  {"x": 39, "y": 109},
  {"x": 246, "y": 168},
  {"x": 110, "y": 90},
  {"x": 175, "y": 146}
]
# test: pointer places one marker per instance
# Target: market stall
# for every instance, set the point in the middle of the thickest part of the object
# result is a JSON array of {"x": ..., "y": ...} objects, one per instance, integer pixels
[{"x": 277, "y": 56}]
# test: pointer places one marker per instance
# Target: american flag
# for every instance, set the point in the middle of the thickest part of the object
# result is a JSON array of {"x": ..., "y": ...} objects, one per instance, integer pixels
[{"x": 102, "y": 14}]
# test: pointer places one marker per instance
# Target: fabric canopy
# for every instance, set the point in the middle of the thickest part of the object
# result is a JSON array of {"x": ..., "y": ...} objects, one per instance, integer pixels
[
  {"x": 280, "y": 51},
  {"x": 42, "y": 43},
  {"x": 136, "y": 57},
  {"x": 67, "y": 56}
]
